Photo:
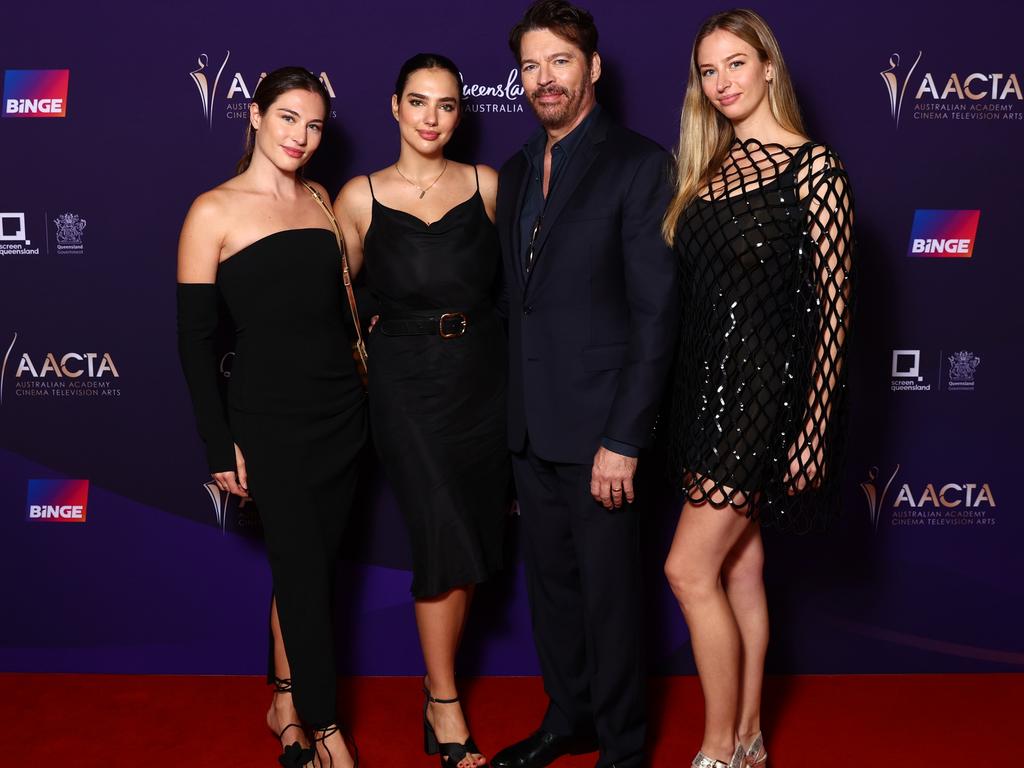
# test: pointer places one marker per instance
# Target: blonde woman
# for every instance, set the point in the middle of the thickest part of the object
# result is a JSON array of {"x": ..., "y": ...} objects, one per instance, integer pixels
[{"x": 762, "y": 222}]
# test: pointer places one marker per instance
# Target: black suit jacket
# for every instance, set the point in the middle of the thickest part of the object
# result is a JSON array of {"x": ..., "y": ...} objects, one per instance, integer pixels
[{"x": 592, "y": 328}]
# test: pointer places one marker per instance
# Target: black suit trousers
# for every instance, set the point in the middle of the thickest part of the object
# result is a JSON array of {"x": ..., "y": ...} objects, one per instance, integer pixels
[{"x": 583, "y": 577}]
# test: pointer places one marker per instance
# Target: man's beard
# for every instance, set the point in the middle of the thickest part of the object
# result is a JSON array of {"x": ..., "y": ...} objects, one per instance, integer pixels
[{"x": 561, "y": 114}]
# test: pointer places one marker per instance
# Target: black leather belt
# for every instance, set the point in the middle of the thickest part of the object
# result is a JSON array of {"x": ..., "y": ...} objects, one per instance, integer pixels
[{"x": 447, "y": 325}]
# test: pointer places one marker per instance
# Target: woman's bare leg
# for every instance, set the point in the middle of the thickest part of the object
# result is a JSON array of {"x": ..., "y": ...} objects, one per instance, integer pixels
[
  {"x": 744, "y": 586},
  {"x": 282, "y": 710},
  {"x": 703, "y": 540},
  {"x": 440, "y": 621}
]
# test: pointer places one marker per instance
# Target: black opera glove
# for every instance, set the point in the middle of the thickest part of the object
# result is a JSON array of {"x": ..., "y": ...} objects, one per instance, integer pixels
[{"x": 197, "y": 325}]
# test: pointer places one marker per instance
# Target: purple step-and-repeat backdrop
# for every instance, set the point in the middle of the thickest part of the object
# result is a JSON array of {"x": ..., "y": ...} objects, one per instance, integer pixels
[{"x": 116, "y": 115}]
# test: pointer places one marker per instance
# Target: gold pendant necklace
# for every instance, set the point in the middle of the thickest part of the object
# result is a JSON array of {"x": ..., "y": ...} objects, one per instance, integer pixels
[{"x": 423, "y": 190}]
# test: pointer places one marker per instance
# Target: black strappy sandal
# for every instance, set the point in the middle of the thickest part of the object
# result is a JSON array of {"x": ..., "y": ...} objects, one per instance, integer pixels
[
  {"x": 294, "y": 755},
  {"x": 452, "y": 753},
  {"x": 321, "y": 735}
]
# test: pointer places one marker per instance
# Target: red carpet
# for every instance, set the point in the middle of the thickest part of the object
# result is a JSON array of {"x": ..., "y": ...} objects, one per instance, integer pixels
[{"x": 88, "y": 721}]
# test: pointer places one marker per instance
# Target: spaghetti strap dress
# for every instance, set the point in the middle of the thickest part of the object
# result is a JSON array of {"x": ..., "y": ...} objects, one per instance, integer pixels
[{"x": 437, "y": 384}]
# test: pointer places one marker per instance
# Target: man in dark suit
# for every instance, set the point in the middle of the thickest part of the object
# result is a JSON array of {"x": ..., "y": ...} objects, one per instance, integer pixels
[{"x": 591, "y": 299}]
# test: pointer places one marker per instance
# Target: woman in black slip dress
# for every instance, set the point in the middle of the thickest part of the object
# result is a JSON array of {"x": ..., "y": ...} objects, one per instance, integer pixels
[
  {"x": 423, "y": 230},
  {"x": 762, "y": 221},
  {"x": 295, "y": 418}
]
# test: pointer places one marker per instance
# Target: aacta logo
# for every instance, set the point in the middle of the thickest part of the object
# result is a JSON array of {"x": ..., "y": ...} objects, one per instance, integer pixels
[
  {"x": 35, "y": 92},
  {"x": 934, "y": 504},
  {"x": 977, "y": 96},
  {"x": 72, "y": 365},
  {"x": 944, "y": 234},
  {"x": 976, "y": 86},
  {"x": 58, "y": 501},
  {"x": 59, "y": 375},
  {"x": 948, "y": 496},
  {"x": 207, "y": 81}
]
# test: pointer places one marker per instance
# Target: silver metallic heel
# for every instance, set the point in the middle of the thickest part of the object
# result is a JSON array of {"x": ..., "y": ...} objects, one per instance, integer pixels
[
  {"x": 703, "y": 761},
  {"x": 756, "y": 755}
]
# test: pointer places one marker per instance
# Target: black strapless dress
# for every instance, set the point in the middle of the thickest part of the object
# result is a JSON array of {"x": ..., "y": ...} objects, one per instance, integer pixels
[
  {"x": 437, "y": 405},
  {"x": 296, "y": 409}
]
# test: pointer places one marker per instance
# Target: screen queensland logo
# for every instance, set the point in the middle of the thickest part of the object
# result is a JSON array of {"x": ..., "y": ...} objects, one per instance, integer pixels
[
  {"x": 918, "y": 92},
  {"x": 225, "y": 94},
  {"x": 906, "y": 372},
  {"x": 943, "y": 234},
  {"x": 15, "y": 239},
  {"x": 57, "y": 501},
  {"x": 41, "y": 374},
  {"x": 36, "y": 93}
]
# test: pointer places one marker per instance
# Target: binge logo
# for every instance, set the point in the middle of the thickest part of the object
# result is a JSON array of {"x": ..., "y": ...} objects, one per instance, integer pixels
[
  {"x": 36, "y": 93},
  {"x": 944, "y": 234},
  {"x": 58, "y": 501}
]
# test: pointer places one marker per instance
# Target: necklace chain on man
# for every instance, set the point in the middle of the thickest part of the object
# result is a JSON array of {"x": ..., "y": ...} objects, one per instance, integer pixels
[{"x": 423, "y": 190}]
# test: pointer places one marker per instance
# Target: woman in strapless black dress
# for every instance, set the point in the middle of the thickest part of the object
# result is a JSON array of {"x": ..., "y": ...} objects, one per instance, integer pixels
[
  {"x": 762, "y": 220},
  {"x": 295, "y": 418},
  {"x": 424, "y": 233}
]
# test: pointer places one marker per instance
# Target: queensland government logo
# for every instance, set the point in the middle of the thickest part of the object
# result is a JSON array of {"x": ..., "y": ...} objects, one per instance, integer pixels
[
  {"x": 70, "y": 227},
  {"x": 493, "y": 97},
  {"x": 57, "y": 501},
  {"x": 954, "y": 95},
  {"x": 943, "y": 234},
  {"x": 35, "y": 93},
  {"x": 962, "y": 367},
  {"x": 965, "y": 503},
  {"x": 57, "y": 375},
  {"x": 232, "y": 101}
]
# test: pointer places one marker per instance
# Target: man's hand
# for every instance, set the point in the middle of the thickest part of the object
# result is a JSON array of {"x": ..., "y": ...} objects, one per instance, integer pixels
[{"x": 611, "y": 479}]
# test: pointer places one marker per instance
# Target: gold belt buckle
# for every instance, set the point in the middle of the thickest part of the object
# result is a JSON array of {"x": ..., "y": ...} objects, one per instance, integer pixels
[{"x": 448, "y": 316}]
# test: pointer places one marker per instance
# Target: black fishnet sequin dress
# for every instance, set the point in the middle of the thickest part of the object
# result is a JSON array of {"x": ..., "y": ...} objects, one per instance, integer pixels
[{"x": 757, "y": 411}]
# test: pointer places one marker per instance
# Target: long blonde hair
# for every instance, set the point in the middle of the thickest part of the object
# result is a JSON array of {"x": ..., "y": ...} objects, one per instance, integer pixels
[{"x": 705, "y": 134}]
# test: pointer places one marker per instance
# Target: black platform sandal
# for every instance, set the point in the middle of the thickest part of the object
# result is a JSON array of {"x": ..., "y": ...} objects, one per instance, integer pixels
[
  {"x": 321, "y": 735},
  {"x": 452, "y": 753},
  {"x": 295, "y": 755}
]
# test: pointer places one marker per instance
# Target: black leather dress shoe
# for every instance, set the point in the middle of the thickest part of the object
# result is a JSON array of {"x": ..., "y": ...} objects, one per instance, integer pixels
[{"x": 540, "y": 749}]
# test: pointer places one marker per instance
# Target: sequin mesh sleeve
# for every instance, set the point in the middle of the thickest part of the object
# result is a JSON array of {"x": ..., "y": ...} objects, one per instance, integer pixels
[{"x": 757, "y": 416}]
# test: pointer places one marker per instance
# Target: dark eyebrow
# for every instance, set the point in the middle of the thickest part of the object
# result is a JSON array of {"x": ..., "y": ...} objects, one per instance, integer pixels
[
  {"x": 564, "y": 54},
  {"x": 427, "y": 98}
]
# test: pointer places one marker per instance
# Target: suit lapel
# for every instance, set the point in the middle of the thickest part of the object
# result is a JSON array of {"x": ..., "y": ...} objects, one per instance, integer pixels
[{"x": 566, "y": 184}]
